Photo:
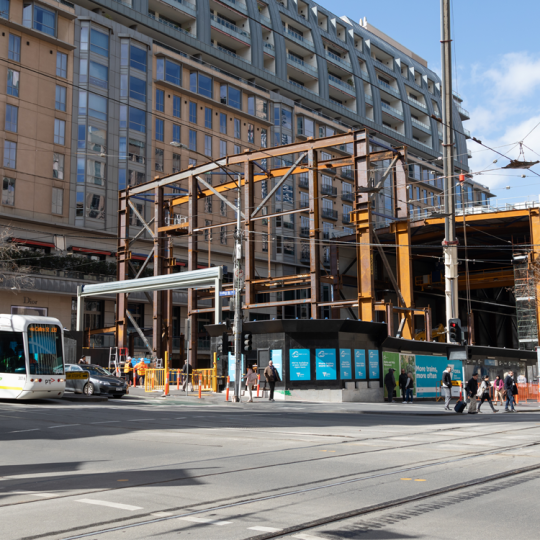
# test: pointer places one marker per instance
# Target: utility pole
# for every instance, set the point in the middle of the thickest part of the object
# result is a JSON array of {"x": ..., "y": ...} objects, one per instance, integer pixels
[
  {"x": 450, "y": 242},
  {"x": 238, "y": 284}
]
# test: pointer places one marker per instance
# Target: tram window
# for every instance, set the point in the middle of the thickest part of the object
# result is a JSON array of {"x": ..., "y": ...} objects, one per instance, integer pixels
[
  {"x": 45, "y": 349},
  {"x": 12, "y": 353}
]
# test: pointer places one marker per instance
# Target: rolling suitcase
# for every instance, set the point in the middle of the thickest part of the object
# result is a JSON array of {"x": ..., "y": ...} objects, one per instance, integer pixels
[{"x": 460, "y": 406}]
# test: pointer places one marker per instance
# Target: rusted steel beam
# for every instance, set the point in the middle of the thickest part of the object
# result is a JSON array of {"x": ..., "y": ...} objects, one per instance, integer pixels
[
  {"x": 193, "y": 212},
  {"x": 314, "y": 234},
  {"x": 400, "y": 180},
  {"x": 249, "y": 229},
  {"x": 334, "y": 271},
  {"x": 123, "y": 256},
  {"x": 534, "y": 221}
]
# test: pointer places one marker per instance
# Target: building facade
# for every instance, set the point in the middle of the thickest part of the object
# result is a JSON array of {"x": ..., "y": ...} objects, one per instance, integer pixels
[{"x": 100, "y": 96}]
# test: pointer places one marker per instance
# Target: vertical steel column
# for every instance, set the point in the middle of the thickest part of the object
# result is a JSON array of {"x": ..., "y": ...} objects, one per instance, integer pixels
[
  {"x": 193, "y": 208},
  {"x": 249, "y": 237},
  {"x": 123, "y": 256},
  {"x": 534, "y": 221},
  {"x": 334, "y": 272},
  {"x": 362, "y": 211},
  {"x": 157, "y": 304},
  {"x": 314, "y": 234},
  {"x": 168, "y": 303}
]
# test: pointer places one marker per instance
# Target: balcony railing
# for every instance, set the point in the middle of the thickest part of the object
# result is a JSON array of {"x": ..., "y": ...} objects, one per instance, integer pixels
[
  {"x": 346, "y": 218},
  {"x": 266, "y": 20},
  {"x": 297, "y": 36},
  {"x": 328, "y": 190},
  {"x": 365, "y": 74},
  {"x": 389, "y": 88},
  {"x": 348, "y": 87},
  {"x": 304, "y": 232},
  {"x": 329, "y": 213},
  {"x": 303, "y": 183},
  {"x": 369, "y": 99},
  {"x": 191, "y": 7},
  {"x": 347, "y": 196},
  {"x": 338, "y": 59},
  {"x": 419, "y": 124},
  {"x": 304, "y": 204},
  {"x": 226, "y": 51},
  {"x": 463, "y": 112},
  {"x": 417, "y": 103},
  {"x": 237, "y": 5},
  {"x": 391, "y": 67},
  {"x": 390, "y": 109},
  {"x": 229, "y": 26},
  {"x": 168, "y": 23},
  {"x": 424, "y": 144},
  {"x": 270, "y": 48},
  {"x": 294, "y": 83},
  {"x": 304, "y": 257},
  {"x": 347, "y": 173},
  {"x": 299, "y": 62},
  {"x": 467, "y": 133}
]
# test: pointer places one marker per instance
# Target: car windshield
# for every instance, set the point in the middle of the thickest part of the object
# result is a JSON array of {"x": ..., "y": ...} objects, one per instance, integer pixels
[
  {"x": 96, "y": 370},
  {"x": 45, "y": 355}
]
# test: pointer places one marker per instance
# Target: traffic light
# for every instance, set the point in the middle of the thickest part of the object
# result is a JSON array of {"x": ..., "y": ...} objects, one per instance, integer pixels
[
  {"x": 223, "y": 345},
  {"x": 454, "y": 331},
  {"x": 247, "y": 341}
]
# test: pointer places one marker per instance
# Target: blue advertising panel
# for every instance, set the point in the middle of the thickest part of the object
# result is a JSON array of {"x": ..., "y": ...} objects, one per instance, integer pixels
[
  {"x": 232, "y": 365},
  {"x": 359, "y": 363},
  {"x": 429, "y": 372},
  {"x": 277, "y": 359},
  {"x": 325, "y": 364},
  {"x": 373, "y": 364},
  {"x": 299, "y": 365},
  {"x": 345, "y": 364}
]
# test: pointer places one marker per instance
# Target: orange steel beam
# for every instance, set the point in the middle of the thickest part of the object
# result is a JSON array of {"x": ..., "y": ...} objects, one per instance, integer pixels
[
  {"x": 314, "y": 234},
  {"x": 535, "y": 241},
  {"x": 404, "y": 271}
]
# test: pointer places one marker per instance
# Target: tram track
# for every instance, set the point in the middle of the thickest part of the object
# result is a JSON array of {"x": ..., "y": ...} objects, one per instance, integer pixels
[{"x": 215, "y": 506}]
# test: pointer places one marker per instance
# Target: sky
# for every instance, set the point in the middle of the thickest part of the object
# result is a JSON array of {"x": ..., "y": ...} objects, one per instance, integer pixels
[{"x": 496, "y": 71}]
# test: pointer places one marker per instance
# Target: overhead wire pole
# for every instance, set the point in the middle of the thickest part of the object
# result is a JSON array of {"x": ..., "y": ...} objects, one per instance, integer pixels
[
  {"x": 450, "y": 241},
  {"x": 238, "y": 275}
]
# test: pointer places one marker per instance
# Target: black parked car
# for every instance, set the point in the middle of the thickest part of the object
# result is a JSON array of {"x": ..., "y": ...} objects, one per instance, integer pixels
[{"x": 99, "y": 381}]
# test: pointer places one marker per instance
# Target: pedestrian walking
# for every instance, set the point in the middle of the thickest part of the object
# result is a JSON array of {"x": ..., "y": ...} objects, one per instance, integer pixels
[
  {"x": 82, "y": 360},
  {"x": 446, "y": 387},
  {"x": 498, "y": 387},
  {"x": 390, "y": 384},
  {"x": 141, "y": 372},
  {"x": 272, "y": 376},
  {"x": 402, "y": 382},
  {"x": 511, "y": 390},
  {"x": 472, "y": 390},
  {"x": 187, "y": 370},
  {"x": 409, "y": 388},
  {"x": 484, "y": 394},
  {"x": 127, "y": 370},
  {"x": 251, "y": 379}
]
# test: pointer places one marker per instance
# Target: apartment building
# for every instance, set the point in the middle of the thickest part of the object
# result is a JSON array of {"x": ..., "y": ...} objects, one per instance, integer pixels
[{"x": 99, "y": 96}]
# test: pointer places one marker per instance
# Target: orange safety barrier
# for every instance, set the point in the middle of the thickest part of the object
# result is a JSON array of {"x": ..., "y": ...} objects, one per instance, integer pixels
[
  {"x": 227, "y": 392},
  {"x": 258, "y": 383},
  {"x": 200, "y": 385}
]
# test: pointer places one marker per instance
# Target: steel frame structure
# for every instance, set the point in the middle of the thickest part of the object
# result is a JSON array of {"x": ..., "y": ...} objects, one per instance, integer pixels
[{"x": 307, "y": 161}]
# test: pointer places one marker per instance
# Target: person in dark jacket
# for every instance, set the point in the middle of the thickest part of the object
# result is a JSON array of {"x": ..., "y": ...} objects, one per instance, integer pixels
[
  {"x": 509, "y": 389},
  {"x": 485, "y": 394},
  {"x": 390, "y": 383},
  {"x": 472, "y": 390},
  {"x": 402, "y": 381},
  {"x": 446, "y": 388},
  {"x": 186, "y": 373},
  {"x": 271, "y": 375}
]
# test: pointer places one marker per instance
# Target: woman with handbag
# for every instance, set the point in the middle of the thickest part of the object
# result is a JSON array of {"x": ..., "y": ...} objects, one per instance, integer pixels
[
  {"x": 498, "y": 387},
  {"x": 483, "y": 394}
]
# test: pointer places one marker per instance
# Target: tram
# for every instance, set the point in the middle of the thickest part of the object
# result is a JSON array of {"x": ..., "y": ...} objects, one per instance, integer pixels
[{"x": 31, "y": 357}]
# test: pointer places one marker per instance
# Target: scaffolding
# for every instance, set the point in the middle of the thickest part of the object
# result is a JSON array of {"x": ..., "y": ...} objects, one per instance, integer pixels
[{"x": 526, "y": 279}]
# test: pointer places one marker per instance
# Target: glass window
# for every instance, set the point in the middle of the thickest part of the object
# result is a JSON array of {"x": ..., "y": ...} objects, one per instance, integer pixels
[
  {"x": 251, "y": 133},
  {"x": 137, "y": 120},
  {"x": 176, "y": 133},
  {"x": 4, "y": 11},
  {"x": 121, "y": 178},
  {"x": 57, "y": 203},
  {"x": 176, "y": 106},
  {"x": 81, "y": 170},
  {"x": 79, "y": 207},
  {"x": 208, "y": 145},
  {"x": 205, "y": 87},
  {"x": 95, "y": 172},
  {"x": 58, "y": 166},
  {"x": 13, "y": 83},
  {"x": 286, "y": 118},
  {"x": 135, "y": 178},
  {"x": 99, "y": 42},
  {"x": 237, "y": 149},
  {"x": 264, "y": 138},
  {"x": 95, "y": 206},
  {"x": 10, "y": 154},
  {"x": 97, "y": 139},
  {"x": 85, "y": 30},
  {"x": 235, "y": 97},
  {"x": 237, "y": 128},
  {"x": 12, "y": 116},
  {"x": 60, "y": 100},
  {"x": 99, "y": 74},
  {"x": 251, "y": 105},
  {"x": 123, "y": 116},
  {"x": 137, "y": 89},
  {"x": 261, "y": 108},
  {"x": 208, "y": 118},
  {"x": 15, "y": 48},
  {"x": 138, "y": 58},
  {"x": 59, "y": 131},
  {"x": 61, "y": 65},
  {"x": 8, "y": 191},
  {"x": 160, "y": 100},
  {"x": 192, "y": 112},
  {"x": 83, "y": 70},
  {"x": 159, "y": 130},
  {"x": 137, "y": 151},
  {"x": 124, "y": 52},
  {"x": 192, "y": 140},
  {"x": 44, "y": 20},
  {"x": 176, "y": 163},
  {"x": 81, "y": 136},
  {"x": 168, "y": 71},
  {"x": 222, "y": 148},
  {"x": 193, "y": 81},
  {"x": 159, "y": 159},
  {"x": 223, "y": 123},
  {"x": 97, "y": 107},
  {"x": 124, "y": 85}
]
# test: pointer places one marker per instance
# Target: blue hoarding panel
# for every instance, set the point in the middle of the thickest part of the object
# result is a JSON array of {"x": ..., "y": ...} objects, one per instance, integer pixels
[
  {"x": 232, "y": 366},
  {"x": 373, "y": 364},
  {"x": 299, "y": 365},
  {"x": 359, "y": 363},
  {"x": 345, "y": 364},
  {"x": 277, "y": 359},
  {"x": 325, "y": 364}
]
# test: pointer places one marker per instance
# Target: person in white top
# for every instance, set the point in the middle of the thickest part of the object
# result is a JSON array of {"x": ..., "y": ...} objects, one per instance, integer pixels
[{"x": 251, "y": 379}]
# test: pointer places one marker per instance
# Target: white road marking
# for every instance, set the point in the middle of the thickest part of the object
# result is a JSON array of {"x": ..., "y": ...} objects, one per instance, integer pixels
[
  {"x": 140, "y": 419},
  {"x": 24, "y": 430},
  {"x": 162, "y": 514},
  {"x": 303, "y": 536},
  {"x": 106, "y": 422},
  {"x": 63, "y": 425},
  {"x": 205, "y": 520},
  {"x": 181, "y": 418},
  {"x": 34, "y": 493},
  {"x": 264, "y": 529},
  {"x": 110, "y": 504}
]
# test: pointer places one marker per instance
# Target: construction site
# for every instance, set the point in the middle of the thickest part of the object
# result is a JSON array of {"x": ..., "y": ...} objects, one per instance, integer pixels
[{"x": 389, "y": 271}]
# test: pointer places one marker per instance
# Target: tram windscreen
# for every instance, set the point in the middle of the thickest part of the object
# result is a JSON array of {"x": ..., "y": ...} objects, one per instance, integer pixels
[
  {"x": 45, "y": 355},
  {"x": 12, "y": 352}
]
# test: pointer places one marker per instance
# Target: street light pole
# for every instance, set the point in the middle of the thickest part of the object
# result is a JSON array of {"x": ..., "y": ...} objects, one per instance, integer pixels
[
  {"x": 450, "y": 242},
  {"x": 238, "y": 278}
]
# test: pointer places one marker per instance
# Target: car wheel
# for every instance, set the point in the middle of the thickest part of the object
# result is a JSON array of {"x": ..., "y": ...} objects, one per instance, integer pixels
[{"x": 88, "y": 389}]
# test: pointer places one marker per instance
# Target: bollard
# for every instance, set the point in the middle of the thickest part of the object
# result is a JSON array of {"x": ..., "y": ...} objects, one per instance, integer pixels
[
  {"x": 178, "y": 380},
  {"x": 258, "y": 383},
  {"x": 460, "y": 390},
  {"x": 166, "y": 391},
  {"x": 227, "y": 391},
  {"x": 200, "y": 385}
]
